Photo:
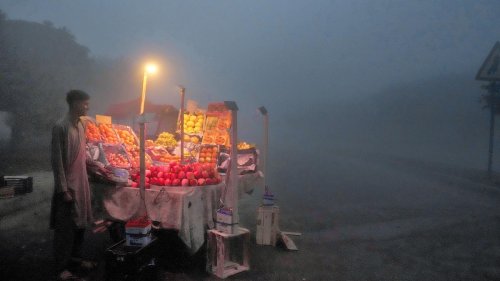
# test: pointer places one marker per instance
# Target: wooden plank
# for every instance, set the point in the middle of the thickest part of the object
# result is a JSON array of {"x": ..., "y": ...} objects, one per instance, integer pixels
[
  {"x": 291, "y": 233},
  {"x": 289, "y": 244}
]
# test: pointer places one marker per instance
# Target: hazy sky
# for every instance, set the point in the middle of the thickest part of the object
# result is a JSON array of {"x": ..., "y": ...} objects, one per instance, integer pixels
[{"x": 278, "y": 53}]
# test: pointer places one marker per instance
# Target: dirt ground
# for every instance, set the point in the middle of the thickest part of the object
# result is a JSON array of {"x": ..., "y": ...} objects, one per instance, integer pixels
[{"x": 369, "y": 219}]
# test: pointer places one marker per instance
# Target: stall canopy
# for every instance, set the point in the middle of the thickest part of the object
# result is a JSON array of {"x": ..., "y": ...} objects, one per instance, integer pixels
[{"x": 164, "y": 115}]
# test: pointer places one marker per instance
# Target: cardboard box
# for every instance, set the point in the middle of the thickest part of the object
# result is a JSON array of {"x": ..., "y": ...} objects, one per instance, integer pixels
[
  {"x": 224, "y": 221},
  {"x": 138, "y": 232}
]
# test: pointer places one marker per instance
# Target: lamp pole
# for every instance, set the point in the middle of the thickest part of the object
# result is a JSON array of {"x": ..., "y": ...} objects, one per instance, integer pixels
[{"x": 142, "y": 138}]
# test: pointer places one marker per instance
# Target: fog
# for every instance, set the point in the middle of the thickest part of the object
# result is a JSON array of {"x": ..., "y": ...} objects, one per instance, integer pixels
[
  {"x": 391, "y": 76},
  {"x": 375, "y": 113}
]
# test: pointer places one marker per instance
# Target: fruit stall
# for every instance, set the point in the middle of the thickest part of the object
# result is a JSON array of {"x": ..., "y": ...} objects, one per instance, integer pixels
[{"x": 181, "y": 195}]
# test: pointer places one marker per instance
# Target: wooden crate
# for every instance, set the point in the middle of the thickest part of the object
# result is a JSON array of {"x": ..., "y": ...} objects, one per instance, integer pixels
[
  {"x": 267, "y": 225},
  {"x": 227, "y": 254}
]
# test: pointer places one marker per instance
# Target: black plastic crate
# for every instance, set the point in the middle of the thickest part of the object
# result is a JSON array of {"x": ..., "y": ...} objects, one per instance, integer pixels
[
  {"x": 124, "y": 262},
  {"x": 21, "y": 184}
]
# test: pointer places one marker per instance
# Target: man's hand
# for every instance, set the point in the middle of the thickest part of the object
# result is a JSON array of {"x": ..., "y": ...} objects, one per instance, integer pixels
[{"x": 67, "y": 196}]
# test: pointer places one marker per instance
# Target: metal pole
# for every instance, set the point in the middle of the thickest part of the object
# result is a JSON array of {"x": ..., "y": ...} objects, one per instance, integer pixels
[
  {"x": 492, "y": 127},
  {"x": 266, "y": 147},
  {"x": 142, "y": 140},
  {"x": 265, "y": 150},
  {"x": 142, "y": 156},
  {"x": 183, "y": 92},
  {"x": 233, "y": 181}
]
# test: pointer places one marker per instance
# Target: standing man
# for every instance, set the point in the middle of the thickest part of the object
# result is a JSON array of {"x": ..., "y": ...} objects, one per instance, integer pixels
[{"x": 71, "y": 207}]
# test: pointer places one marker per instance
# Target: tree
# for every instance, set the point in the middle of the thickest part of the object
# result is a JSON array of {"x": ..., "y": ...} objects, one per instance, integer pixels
[{"x": 40, "y": 64}]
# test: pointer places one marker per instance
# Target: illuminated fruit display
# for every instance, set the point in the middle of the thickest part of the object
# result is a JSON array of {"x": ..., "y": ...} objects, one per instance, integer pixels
[
  {"x": 175, "y": 174},
  {"x": 166, "y": 139},
  {"x": 92, "y": 132},
  {"x": 208, "y": 154},
  {"x": 193, "y": 122},
  {"x": 107, "y": 134}
]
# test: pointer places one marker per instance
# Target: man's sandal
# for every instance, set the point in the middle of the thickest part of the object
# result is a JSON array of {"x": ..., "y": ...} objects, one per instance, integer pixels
[
  {"x": 68, "y": 276},
  {"x": 88, "y": 265}
]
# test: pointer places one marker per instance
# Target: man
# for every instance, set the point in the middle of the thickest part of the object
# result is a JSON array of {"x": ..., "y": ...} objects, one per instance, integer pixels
[{"x": 71, "y": 209}]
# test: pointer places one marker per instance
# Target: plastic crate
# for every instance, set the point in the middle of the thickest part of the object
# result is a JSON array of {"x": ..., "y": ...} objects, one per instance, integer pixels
[
  {"x": 122, "y": 260},
  {"x": 21, "y": 184}
]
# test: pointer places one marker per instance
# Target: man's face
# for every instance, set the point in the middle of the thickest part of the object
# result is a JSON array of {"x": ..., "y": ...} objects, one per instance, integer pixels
[{"x": 81, "y": 107}]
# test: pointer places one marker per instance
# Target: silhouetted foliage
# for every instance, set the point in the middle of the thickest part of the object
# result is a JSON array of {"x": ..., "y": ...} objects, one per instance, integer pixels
[{"x": 40, "y": 63}]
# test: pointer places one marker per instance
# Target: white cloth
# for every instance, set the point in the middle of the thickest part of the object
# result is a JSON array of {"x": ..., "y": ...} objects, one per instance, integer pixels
[{"x": 190, "y": 210}]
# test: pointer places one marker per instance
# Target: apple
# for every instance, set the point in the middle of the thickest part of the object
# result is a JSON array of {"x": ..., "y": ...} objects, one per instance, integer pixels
[
  {"x": 165, "y": 169},
  {"x": 185, "y": 182},
  {"x": 193, "y": 182},
  {"x": 201, "y": 181},
  {"x": 190, "y": 175},
  {"x": 181, "y": 175},
  {"x": 208, "y": 181},
  {"x": 160, "y": 175},
  {"x": 148, "y": 172},
  {"x": 161, "y": 181},
  {"x": 168, "y": 182},
  {"x": 205, "y": 174},
  {"x": 147, "y": 180},
  {"x": 176, "y": 182},
  {"x": 197, "y": 174},
  {"x": 134, "y": 184}
]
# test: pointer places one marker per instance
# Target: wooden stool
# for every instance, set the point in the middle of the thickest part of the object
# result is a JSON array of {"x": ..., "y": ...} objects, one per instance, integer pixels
[
  {"x": 267, "y": 225},
  {"x": 227, "y": 254}
]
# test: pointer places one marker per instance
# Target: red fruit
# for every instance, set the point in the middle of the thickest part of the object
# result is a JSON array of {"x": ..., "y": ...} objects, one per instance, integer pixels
[
  {"x": 205, "y": 174},
  {"x": 147, "y": 179},
  {"x": 160, "y": 175},
  {"x": 176, "y": 182},
  {"x": 134, "y": 184},
  {"x": 201, "y": 181},
  {"x": 148, "y": 172},
  {"x": 208, "y": 181},
  {"x": 197, "y": 174},
  {"x": 161, "y": 181},
  {"x": 165, "y": 169},
  {"x": 168, "y": 182},
  {"x": 147, "y": 186},
  {"x": 172, "y": 176},
  {"x": 190, "y": 175},
  {"x": 181, "y": 175},
  {"x": 185, "y": 182},
  {"x": 193, "y": 182}
]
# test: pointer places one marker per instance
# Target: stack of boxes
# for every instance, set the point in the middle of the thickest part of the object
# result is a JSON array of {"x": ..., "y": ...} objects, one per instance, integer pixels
[{"x": 138, "y": 232}]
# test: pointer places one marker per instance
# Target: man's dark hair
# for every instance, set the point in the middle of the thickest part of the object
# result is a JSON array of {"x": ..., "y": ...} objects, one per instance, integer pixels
[{"x": 76, "y": 95}]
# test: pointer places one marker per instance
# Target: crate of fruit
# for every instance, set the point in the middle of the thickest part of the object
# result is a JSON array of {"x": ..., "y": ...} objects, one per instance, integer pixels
[
  {"x": 108, "y": 134},
  {"x": 193, "y": 122},
  {"x": 208, "y": 154},
  {"x": 126, "y": 135},
  {"x": 92, "y": 132},
  {"x": 114, "y": 156}
]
